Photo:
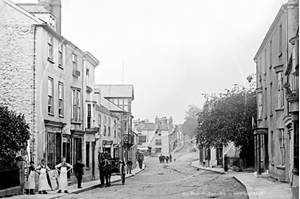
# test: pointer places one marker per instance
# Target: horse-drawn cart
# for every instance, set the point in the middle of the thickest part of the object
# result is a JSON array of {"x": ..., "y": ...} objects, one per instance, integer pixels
[{"x": 109, "y": 166}]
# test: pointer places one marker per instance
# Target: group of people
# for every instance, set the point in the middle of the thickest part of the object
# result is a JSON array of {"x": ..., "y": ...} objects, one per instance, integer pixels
[
  {"x": 44, "y": 182},
  {"x": 163, "y": 158}
]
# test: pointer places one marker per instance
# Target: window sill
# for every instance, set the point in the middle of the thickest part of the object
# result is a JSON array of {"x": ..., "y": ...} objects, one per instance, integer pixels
[
  {"x": 266, "y": 117},
  {"x": 279, "y": 109},
  {"x": 87, "y": 168},
  {"x": 271, "y": 114},
  {"x": 60, "y": 66},
  {"x": 76, "y": 122},
  {"x": 280, "y": 54},
  {"x": 281, "y": 167},
  {"x": 260, "y": 119},
  {"x": 270, "y": 66},
  {"x": 51, "y": 114},
  {"x": 272, "y": 164},
  {"x": 61, "y": 116},
  {"x": 50, "y": 60}
]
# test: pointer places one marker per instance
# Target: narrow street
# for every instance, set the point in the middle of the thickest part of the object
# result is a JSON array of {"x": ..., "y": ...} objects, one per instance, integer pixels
[{"x": 173, "y": 180}]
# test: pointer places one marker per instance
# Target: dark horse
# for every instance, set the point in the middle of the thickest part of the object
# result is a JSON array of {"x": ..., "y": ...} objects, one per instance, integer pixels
[{"x": 105, "y": 168}]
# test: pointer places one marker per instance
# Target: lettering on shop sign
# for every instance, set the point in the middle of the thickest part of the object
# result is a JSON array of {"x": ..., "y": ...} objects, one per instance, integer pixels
[{"x": 53, "y": 71}]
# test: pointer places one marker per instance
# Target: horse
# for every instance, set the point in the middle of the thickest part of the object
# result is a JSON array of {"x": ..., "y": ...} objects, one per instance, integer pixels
[{"x": 105, "y": 169}]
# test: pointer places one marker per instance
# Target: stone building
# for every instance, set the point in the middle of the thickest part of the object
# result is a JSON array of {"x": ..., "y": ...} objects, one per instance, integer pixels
[
  {"x": 120, "y": 99},
  {"x": 277, "y": 65},
  {"x": 158, "y": 135},
  {"x": 43, "y": 78}
]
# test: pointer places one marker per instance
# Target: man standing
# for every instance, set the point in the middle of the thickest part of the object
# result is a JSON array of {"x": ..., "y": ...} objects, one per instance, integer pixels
[
  {"x": 140, "y": 160},
  {"x": 63, "y": 179},
  {"x": 167, "y": 159},
  {"x": 170, "y": 158},
  {"x": 129, "y": 166},
  {"x": 78, "y": 169},
  {"x": 42, "y": 170}
]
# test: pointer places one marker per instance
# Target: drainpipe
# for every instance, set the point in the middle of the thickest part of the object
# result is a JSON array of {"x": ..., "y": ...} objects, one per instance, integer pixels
[{"x": 33, "y": 97}]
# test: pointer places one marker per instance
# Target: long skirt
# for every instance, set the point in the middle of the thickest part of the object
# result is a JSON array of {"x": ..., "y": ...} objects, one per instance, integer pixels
[
  {"x": 63, "y": 179},
  {"x": 43, "y": 182},
  {"x": 31, "y": 181}
]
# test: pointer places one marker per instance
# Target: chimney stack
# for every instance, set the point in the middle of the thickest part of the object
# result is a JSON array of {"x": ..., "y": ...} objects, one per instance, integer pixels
[{"x": 54, "y": 7}]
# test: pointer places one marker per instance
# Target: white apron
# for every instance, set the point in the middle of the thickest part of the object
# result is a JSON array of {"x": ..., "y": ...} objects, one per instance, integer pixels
[
  {"x": 63, "y": 180},
  {"x": 43, "y": 182},
  {"x": 31, "y": 180}
]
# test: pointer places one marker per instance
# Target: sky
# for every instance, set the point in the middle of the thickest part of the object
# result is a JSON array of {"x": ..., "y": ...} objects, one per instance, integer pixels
[{"x": 172, "y": 51}]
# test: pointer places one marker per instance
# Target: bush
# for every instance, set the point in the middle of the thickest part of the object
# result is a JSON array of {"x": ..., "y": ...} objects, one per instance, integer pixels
[{"x": 14, "y": 133}]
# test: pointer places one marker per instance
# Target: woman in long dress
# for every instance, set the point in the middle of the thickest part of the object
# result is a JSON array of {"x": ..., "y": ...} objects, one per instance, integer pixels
[
  {"x": 42, "y": 170},
  {"x": 30, "y": 185},
  {"x": 63, "y": 180}
]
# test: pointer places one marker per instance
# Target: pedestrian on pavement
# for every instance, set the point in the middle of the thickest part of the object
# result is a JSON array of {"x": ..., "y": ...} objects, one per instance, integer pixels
[
  {"x": 160, "y": 158},
  {"x": 140, "y": 160},
  {"x": 163, "y": 159},
  {"x": 42, "y": 170},
  {"x": 30, "y": 184},
  {"x": 167, "y": 159},
  {"x": 170, "y": 158},
  {"x": 129, "y": 166},
  {"x": 78, "y": 169},
  {"x": 62, "y": 168}
]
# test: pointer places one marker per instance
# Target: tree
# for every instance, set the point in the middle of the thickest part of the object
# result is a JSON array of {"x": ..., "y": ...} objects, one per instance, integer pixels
[
  {"x": 14, "y": 133},
  {"x": 190, "y": 123},
  {"x": 227, "y": 117}
]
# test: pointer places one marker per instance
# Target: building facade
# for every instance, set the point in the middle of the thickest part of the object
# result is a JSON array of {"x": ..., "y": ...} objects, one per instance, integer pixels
[
  {"x": 120, "y": 99},
  {"x": 276, "y": 131},
  {"x": 43, "y": 79},
  {"x": 158, "y": 137}
]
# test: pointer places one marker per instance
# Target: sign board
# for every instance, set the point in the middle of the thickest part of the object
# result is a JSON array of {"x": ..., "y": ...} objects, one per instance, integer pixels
[{"x": 106, "y": 142}]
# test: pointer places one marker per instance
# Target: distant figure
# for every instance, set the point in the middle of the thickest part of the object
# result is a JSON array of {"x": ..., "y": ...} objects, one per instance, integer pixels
[
  {"x": 170, "y": 158},
  {"x": 167, "y": 159},
  {"x": 140, "y": 160},
  {"x": 163, "y": 159},
  {"x": 129, "y": 166},
  {"x": 78, "y": 169},
  {"x": 62, "y": 168},
  {"x": 159, "y": 158}
]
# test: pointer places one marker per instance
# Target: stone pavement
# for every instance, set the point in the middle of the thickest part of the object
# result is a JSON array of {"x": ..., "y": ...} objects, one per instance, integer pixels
[
  {"x": 257, "y": 188},
  {"x": 74, "y": 190}
]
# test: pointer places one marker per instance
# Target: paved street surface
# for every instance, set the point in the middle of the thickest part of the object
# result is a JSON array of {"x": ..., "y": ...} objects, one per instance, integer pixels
[{"x": 173, "y": 180}]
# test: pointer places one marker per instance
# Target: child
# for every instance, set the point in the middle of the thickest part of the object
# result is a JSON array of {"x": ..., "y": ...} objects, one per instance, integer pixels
[{"x": 30, "y": 179}]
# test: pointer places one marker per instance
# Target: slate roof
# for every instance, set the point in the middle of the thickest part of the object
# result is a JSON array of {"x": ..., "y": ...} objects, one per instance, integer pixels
[
  {"x": 110, "y": 106},
  {"x": 32, "y": 8},
  {"x": 146, "y": 126},
  {"x": 116, "y": 90}
]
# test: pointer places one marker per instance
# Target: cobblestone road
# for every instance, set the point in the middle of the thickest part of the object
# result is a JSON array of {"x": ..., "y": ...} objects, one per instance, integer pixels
[{"x": 174, "y": 180}]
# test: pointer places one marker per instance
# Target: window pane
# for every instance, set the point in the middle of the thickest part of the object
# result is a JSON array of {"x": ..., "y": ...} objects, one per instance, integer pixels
[{"x": 125, "y": 101}]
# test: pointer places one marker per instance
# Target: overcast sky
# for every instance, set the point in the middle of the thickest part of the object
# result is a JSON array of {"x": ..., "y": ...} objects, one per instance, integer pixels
[{"x": 173, "y": 50}]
